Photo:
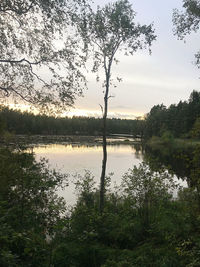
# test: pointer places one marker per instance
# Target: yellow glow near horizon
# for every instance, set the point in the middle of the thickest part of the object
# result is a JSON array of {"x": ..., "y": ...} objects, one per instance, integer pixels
[
  {"x": 79, "y": 149},
  {"x": 82, "y": 112},
  {"x": 98, "y": 114},
  {"x": 23, "y": 107}
]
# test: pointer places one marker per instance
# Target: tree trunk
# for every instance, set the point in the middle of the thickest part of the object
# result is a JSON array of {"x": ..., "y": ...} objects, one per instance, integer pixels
[
  {"x": 103, "y": 171},
  {"x": 104, "y": 161}
]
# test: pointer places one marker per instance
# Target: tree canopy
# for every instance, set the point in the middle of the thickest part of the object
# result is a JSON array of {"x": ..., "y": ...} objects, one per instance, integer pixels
[
  {"x": 106, "y": 31},
  {"x": 187, "y": 21},
  {"x": 111, "y": 29},
  {"x": 39, "y": 60}
]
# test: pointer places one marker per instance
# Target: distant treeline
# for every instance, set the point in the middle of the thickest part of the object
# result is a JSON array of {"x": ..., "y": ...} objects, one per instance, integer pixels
[
  {"x": 19, "y": 122},
  {"x": 181, "y": 120}
]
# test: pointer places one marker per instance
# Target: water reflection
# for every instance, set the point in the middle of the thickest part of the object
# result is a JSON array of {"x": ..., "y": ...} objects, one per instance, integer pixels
[
  {"x": 183, "y": 161},
  {"x": 76, "y": 158}
]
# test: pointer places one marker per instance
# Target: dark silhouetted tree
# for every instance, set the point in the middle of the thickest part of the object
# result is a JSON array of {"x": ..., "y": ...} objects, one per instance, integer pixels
[
  {"x": 107, "y": 31},
  {"x": 187, "y": 21},
  {"x": 39, "y": 60}
]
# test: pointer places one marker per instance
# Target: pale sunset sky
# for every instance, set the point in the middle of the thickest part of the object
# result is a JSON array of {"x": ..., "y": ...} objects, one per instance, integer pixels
[{"x": 166, "y": 76}]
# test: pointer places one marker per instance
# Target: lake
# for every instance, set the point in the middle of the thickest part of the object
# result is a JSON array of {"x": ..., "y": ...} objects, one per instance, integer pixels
[{"x": 76, "y": 158}]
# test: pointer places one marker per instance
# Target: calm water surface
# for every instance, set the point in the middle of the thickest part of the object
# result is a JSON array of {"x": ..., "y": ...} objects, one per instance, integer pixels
[{"x": 74, "y": 159}]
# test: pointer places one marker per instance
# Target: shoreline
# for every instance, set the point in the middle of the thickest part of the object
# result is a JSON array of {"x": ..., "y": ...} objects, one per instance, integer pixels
[{"x": 66, "y": 139}]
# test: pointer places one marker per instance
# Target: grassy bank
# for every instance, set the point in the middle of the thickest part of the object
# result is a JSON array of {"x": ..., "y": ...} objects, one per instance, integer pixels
[{"x": 176, "y": 143}]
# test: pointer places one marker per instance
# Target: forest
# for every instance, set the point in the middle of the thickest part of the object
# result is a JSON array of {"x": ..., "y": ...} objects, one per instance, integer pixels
[
  {"x": 150, "y": 218},
  {"x": 18, "y": 122},
  {"x": 180, "y": 120}
]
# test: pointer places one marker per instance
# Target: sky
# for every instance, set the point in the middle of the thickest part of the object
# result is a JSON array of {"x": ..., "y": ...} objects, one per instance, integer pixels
[{"x": 166, "y": 76}]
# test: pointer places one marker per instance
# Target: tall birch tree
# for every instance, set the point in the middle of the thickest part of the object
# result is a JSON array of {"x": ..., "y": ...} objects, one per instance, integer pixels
[{"x": 107, "y": 31}]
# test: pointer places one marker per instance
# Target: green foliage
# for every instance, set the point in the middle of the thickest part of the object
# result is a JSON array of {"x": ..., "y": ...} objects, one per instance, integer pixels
[
  {"x": 142, "y": 184},
  {"x": 167, "y": 138},
  {"x": 32, "y": 67},
  {"x": 112, "y": 27},
  {"x": 2, "y": 125},
  {"x": 188, "y": 248},
  {"x": 29, "y": 209},
  {"x": 155, "y": 121},
  {"x": 142, "y": 225},
  {"x": 177, "y": 119},
  {"x": 195, "y": 132}
]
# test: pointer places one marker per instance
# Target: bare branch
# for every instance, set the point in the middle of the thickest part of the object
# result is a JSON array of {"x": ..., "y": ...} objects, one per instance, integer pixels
[
  {"x": 101, "y": 108},
  {"x": 12, "y": 16},
  {"x": 5, "y": 90},
  {"x": 110, "y": 96},
  {"x": 10, "y": 61},
  {"x": 37, "y": 76},
  {"x": 10, "y": 89}
]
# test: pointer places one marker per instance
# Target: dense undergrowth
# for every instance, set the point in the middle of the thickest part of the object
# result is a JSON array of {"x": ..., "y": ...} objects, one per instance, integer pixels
[{"x": 142, "y": 224}]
